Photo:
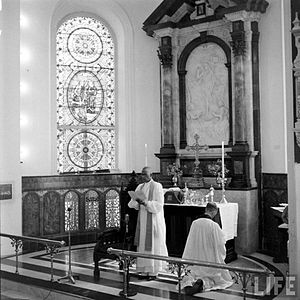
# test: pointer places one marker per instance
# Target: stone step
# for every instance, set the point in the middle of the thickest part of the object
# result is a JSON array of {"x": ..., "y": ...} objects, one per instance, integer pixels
[{"x": 11, "y": 290}]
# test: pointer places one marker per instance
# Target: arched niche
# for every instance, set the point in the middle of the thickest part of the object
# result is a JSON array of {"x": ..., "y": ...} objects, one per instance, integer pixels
[{"x": 205, "y": 93}]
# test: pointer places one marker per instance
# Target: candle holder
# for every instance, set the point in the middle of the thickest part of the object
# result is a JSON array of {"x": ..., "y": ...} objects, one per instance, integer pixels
[
  {"x": 175, "y": 171},
  {"x": 217, "y": 170},
  {"x": 222, "y": 181},
  {"x": 174, "y": 180}
]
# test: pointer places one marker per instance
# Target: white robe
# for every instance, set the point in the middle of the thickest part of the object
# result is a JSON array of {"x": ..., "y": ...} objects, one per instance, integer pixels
[
  {"x": 206, "y": 242},
  {"x": 156, "y": 208}
]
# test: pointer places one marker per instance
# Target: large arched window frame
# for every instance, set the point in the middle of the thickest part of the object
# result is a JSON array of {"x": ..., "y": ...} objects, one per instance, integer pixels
[
  {"x": 116, "y": 19},
  {"x": 85, "y": 82}
]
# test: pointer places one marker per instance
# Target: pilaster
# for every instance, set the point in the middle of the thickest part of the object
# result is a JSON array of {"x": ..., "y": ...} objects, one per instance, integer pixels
[
  {"x": 167, "y": 153},
  {"x": 243, "y": 151}
]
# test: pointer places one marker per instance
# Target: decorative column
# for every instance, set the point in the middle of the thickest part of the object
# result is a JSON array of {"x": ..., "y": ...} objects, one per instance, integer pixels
[
  {"x": 240, "y": 153},
  {"x": 167, "y": 153},
  {"x": 296, "y": 68},
  {"x": 256, "y": 174}
]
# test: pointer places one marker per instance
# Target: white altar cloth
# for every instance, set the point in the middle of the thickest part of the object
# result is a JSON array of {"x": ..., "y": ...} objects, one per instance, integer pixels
[{"x": 229, "y": 219}]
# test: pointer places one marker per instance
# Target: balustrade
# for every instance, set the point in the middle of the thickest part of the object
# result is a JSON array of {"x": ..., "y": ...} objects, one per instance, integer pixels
[
  {"x": 179, "y": 266},
  {"x": 51, "y": 247}
]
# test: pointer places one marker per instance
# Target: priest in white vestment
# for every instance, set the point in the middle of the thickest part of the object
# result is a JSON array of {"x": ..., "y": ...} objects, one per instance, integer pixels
[
  {"x": 150, "y": 236},
  {"x": 206, "y": 242}
]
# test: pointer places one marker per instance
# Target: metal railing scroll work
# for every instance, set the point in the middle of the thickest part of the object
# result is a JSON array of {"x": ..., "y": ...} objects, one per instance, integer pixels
[
  {"x": 51, "y": 246},
  {"x": 179, "y": 267}
]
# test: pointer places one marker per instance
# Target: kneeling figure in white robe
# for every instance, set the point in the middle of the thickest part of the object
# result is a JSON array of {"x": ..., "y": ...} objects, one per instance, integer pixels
[{"x": 206, "y": 242}]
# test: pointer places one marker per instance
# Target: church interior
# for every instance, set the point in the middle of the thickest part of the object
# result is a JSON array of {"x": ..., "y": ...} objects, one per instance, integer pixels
[{"x": 204, "y": 92}]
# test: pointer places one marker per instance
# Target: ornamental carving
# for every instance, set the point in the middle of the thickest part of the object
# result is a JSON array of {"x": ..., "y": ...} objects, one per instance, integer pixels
[
  {"x": 51, "y": 211},
  {"x": 238, "y": 43},
  {"x": 165, "y": 57},
  {"x": 207, "y": 97},
  {"x": 31, "y": 213},
  {"x": 164, "y": 52},
  {"x": 238, "y": 47}
]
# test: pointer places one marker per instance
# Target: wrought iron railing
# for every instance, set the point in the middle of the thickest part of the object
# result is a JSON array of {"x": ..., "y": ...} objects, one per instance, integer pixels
[
  {"x": 51, "y": 247},
  {"x": 180, "y": 266}
]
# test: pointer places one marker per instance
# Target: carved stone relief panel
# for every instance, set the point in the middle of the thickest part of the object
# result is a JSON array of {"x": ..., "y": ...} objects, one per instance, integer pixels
[{"x": 207, "y": 100}]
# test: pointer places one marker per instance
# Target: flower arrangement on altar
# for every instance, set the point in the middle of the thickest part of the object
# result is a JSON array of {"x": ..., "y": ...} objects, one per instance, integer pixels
[
  {"x": 175, "y": 171},
  {"x": 216, "y": 170}
]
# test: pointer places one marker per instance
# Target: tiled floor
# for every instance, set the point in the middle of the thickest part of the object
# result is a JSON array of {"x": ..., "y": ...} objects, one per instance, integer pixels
[{"x": 34, "y": 270}]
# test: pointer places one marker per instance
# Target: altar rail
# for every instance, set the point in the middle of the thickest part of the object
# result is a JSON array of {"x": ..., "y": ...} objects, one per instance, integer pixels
[
  {"x": 94, "y": 200},
  {"x": 179, "y": 266},
  {"x": 51, "y": 247}
]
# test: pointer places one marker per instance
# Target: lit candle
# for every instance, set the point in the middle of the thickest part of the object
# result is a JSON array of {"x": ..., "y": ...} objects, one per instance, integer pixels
[
  {"x": 223, "y": 166},
  {"x": 146, "y": 156}
]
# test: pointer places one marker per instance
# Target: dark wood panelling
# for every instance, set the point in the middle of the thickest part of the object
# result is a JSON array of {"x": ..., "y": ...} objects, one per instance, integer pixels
[
  {"x": 31, "y": 214},
  {"x": 38, "y": 183},
  {"x": 274, "y": 192},
  {"x": 44, "y": 204}
]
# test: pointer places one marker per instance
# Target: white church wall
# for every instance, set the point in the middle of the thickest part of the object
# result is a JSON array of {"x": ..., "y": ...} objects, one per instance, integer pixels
[
  {"x": 35, "y": 76},
  {"x": 273, "y": 89},
  {"x": 147, "y": 91},
  {"x": 137, "y": 79},
  {"x": 10, "y": 209}
]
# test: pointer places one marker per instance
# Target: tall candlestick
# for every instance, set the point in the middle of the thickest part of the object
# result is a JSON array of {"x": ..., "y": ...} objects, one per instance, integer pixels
[
  {"x": 146, "y": 156},
  {"x": 223, "y": 164},
  {"x": 223, "y": 200}
]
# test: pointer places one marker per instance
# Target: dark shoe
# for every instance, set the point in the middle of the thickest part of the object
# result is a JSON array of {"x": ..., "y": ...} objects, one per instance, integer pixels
[
  {"x": 196, "y": 288},
  {"x": 199, "y": 285}
]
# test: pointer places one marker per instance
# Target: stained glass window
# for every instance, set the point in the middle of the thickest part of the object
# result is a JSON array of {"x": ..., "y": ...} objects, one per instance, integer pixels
[
  {"x": 112, "y": 209},
  {"x": 85, "y": 80},
  {"x": 91, "y": 210},
  {"x": 72, "y": 210}
]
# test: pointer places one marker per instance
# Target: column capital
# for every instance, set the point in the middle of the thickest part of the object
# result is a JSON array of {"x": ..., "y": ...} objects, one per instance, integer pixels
[
  {"x": 238, "y": 42},
  {"x": 164, "y": 51}
]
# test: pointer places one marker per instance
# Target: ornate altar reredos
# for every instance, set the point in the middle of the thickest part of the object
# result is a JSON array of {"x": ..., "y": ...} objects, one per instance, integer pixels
[{"x": 208, "y": 51}]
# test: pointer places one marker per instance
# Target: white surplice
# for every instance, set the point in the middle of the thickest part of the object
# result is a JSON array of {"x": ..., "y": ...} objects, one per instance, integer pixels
[
  {"x": 158, "y": 231},
  {"x": 206, "y": 242}
]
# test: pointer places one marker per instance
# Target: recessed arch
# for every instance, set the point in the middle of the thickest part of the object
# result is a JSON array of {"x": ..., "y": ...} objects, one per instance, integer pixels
[{"x": 182, "y": 73}]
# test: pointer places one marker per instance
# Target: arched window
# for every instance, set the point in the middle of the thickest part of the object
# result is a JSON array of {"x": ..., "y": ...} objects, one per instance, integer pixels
[{"x": 85, "y": 81}]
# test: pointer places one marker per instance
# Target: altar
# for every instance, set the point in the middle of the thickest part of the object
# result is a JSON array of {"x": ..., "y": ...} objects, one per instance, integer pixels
[{"x": 179, "y": 218}]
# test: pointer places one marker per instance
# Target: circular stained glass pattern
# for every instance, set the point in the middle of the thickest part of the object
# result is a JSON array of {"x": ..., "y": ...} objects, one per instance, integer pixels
[
  {"x": 85, "y": 97},
  {"x": 85, "y": 150},
  {"x": 85, "y": 45}
]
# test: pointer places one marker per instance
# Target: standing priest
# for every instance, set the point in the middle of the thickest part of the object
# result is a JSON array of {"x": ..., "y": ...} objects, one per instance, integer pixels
[
  {"x": 206, "y": 242},
  {"x": 150, "y": 235}
]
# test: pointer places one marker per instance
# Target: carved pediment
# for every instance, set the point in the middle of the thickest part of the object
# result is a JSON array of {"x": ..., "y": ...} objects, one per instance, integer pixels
[{"x": 184, "y": 13}]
